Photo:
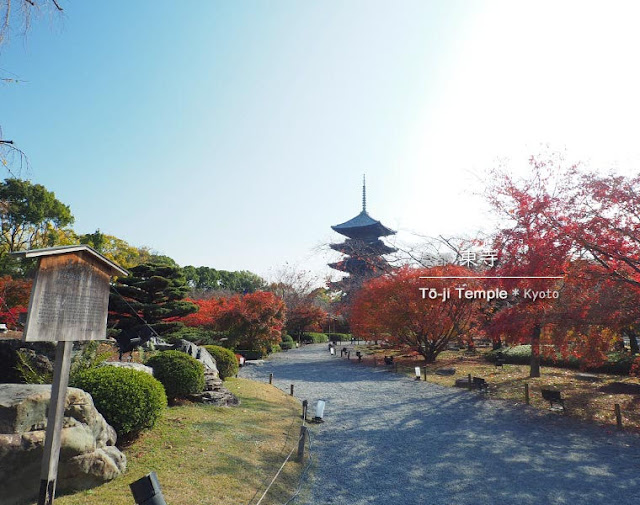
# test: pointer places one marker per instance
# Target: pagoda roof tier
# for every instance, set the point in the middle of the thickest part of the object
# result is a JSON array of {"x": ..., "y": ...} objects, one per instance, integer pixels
[
  {"x": 373, "y": 248},
  {"x": 363, "y": 226},
  {"x": 359, "y": 266}
]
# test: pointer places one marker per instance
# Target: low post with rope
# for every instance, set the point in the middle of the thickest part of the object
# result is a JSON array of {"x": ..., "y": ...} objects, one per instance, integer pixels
[
  {"x": 618, "y": 416},
  {"x": 301, "y": 442},
  {"x": 304, "y": 437}
]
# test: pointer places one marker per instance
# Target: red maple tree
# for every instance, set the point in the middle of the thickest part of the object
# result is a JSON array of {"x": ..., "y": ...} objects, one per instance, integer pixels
[
  {"x": 402, "y": 308},
  {"x": 252, "y": 321},
  {"x": 530, "y": 250},
  {"x": 305, "y": 316},
  {"x": 557, "y": 221}
]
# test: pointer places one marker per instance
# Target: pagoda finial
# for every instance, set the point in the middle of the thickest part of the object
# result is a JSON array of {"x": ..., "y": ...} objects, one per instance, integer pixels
[{"x": 364, "y": 194}]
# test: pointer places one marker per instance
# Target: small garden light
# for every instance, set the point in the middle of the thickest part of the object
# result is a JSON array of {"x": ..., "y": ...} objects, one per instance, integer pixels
[
  {"x": 417, "y": 373},
  {"x": 146, "y": 491},
  {"x": 319, "y": 411}
]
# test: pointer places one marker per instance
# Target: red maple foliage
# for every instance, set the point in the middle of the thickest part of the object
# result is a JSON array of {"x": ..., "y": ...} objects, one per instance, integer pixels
[
  {"x": 392, "y": 308},
  {"x": 251, "y": 321},
  {"x": 561, "y": 221},
  {"x": 14, "y": 300},
  {"x": 602, "y": 217},
  {"x": 305, "y": 316},
  {"x": 209, "y": 311},
  {"x": 593, "y": 313},
  {"x": 529, "y": 248}
]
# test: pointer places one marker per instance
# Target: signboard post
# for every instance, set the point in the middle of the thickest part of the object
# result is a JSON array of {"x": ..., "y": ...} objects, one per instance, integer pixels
[{"x": 69, "y": 302}]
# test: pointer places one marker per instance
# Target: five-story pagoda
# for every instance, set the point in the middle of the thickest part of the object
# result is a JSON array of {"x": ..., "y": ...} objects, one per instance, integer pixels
[{"x": 363, "y": 249}]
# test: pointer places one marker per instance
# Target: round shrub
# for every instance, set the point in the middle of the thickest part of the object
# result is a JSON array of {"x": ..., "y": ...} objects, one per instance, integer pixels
[
  {"x": 287, "y": 338},
  {"x": 129, "y": 400},
  {"x": 285, "y": 346},
  {"x": 226, "y": 360},
  {"x": 180, "y": 374},
  {"x": 275, "y": 348}
]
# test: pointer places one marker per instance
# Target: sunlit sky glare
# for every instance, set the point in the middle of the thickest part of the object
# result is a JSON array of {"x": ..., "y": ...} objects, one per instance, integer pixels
[{"x": 234, "y": 134}]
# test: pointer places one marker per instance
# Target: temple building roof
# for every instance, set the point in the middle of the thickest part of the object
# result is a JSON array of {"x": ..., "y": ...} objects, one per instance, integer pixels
[
  {"x": 363, "y": 226},
  {"x": 367, "y": 247}
]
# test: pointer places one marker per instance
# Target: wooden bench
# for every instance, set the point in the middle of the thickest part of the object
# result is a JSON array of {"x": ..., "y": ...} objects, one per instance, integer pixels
[
  {"x": 359, "y": 354},
  {"x": 553, "y": 397},
  {"x": 480, "y": 384},
  {"x": 476, "y": 383}
]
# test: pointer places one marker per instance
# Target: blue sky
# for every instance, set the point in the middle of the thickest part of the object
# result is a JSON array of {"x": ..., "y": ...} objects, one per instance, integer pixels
[{"x": 234, "y": 134}]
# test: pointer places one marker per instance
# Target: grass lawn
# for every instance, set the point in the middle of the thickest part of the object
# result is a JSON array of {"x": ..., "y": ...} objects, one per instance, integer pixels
[
  {"x": 590, "y": 401},
  {"x": 213, "y": 455}
]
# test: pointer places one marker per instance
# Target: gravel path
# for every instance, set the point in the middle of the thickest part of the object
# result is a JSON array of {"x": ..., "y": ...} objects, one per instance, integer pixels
[{"x": 389, "y": 440}]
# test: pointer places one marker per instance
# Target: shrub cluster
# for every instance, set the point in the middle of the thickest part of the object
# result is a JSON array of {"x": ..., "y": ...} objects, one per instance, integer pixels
[
  {"x": 129, "y": 400},
  {"x": 287, "y": 343},
  {"x": 314, "y": 338},
  {"x": 617, "y": 363},
  {"x": 180, "y": 374},
  {"x": 226, "y": 360},
  {"x": 199, "y": 336}
]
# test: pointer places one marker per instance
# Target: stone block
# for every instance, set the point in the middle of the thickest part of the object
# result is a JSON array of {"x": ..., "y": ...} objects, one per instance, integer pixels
[{"x": 88, "y": 456}]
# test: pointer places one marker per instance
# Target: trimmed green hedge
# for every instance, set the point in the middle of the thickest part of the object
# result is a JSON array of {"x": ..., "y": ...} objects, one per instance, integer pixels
[
  {"x": 339, "y": 337},
  {"x": 226, "y": 360},
  {"x": 129, "y": 400},
  {"x": 180, "y": 374},
  {"x": 314, "y": 338}
]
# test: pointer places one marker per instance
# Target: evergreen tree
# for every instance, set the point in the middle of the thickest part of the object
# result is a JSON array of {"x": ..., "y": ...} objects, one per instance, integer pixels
[{"x": 152, "y": 295}]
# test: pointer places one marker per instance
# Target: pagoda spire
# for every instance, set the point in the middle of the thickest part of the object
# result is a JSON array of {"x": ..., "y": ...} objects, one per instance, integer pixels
[{"x": 364, "y": 194}]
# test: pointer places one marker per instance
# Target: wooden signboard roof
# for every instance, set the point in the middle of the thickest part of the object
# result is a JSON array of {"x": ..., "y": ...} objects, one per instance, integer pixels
[
  {"x": 109, "y": 266},
  {"x": 70, "y": 294}
]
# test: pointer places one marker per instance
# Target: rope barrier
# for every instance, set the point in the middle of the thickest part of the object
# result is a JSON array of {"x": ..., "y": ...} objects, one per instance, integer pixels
[
  {"x": 134, "y": 312},
  {"x": 287, "y": 438},
  {"x": 302, "y": 475},
  {"x": 277, "y": 473}
]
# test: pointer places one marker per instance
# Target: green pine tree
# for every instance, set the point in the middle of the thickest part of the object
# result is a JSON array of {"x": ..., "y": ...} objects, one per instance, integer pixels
[{"x": 153, "y": 294}]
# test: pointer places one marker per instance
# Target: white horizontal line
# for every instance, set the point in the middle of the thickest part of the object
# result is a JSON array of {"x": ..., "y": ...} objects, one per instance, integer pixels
[{"x": 502, "y": 277}]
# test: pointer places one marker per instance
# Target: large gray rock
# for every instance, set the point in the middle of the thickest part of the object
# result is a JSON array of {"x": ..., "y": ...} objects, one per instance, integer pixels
[
  {"x": 199, "y": 353},
  {"x": 127, "y": 364},
  {"x": 215, "y": 393},
  {"x": 88, "y": 456}
]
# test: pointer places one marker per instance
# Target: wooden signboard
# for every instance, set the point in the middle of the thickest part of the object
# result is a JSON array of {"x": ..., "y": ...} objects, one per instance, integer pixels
[
  {"x": 69, "y": 302},
  {"x": 70, "y": 295}
]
